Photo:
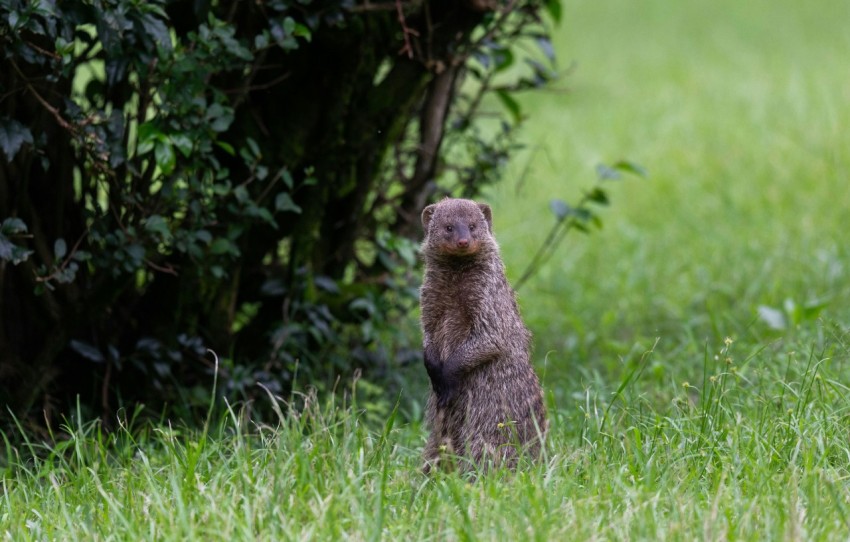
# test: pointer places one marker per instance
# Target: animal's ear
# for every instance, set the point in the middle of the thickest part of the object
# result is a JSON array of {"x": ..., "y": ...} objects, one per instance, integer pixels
[
  {"x": 427, "y": 215},
  {"x": 488, "y": 215}
]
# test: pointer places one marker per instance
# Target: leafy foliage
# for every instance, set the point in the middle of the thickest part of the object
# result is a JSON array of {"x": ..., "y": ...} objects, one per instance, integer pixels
[
  {"x": 582, "y": 217},
  {"x": 180, "y": 176}
]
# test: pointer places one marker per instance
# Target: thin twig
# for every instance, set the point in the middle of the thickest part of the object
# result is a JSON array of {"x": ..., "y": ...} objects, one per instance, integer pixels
[
  {"x": 65, "y": 262},
  {"x": 406, "y": 31},
  {"x": 55, "y": 112}
]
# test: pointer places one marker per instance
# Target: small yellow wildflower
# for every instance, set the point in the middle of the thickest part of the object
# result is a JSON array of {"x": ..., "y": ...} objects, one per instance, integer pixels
[{"x": 728, "y": 341}]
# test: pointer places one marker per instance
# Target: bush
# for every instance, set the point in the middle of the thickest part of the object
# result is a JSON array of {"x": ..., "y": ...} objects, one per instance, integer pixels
[{"x": 240, "y": 176}]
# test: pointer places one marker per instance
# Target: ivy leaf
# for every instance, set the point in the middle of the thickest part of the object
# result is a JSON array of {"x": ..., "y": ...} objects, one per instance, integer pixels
[{"x": 13, "y": 135}]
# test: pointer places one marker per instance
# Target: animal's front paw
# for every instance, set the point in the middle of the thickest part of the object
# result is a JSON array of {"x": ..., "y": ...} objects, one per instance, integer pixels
[
  {"x": 431, "y": 357},
  {"x": 450, "y": 383}
]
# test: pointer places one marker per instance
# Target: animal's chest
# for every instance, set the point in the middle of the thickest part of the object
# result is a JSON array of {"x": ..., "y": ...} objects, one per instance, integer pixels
[{"x": 448, "y": 316}]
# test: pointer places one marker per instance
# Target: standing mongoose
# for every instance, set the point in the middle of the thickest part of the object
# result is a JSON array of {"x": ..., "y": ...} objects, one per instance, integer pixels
[{"x": 485, "y": 399}]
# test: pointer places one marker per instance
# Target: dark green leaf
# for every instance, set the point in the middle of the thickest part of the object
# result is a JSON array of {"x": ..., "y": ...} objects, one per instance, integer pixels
[
  {"x": 156, "y": 29},
  {"x": 301, "y": 31},
  {"x": 147, "y": 136},
  {"x": 13, "y": 225},
  {"x": 583, "y": 215},
  {"x": 9, "y": 252},
  {"x": 510, "y": 104},
  {"x": 157, "y": 224},
  {"x": 327, "y": 284},
  {"x": 219, "y": 117},
  {"x": 203, "y": 236},
  {"x": 598, "y": 195},
  {"x": 503, "y": 58},
  {"x": 811, "y": 311},
  {"x": 136, "y": 252},
  {"x": 183, "y": 144},
  {"x": 87, "y": 351},
  {"x": 630, "y": 167},
  {"x": 227, "y": 147},
  {"x": 363, "y": 304},
  {"x": 553, "y": 8},
  {"x": 287, "y": 178},
  {"x": 283, "y": 202},
  {"x": 221, "y": 246},
  {"x": 264, "y": 213},
  {"x": 13, "y": 135},
  {"x": 59, "y": 249},
  {"x": 241, "y": 194},
  {"x": 165, "y": 157}
]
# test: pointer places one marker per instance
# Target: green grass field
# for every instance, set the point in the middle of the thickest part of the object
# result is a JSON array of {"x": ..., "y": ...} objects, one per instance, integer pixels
[{"x": 695, "y": 351}]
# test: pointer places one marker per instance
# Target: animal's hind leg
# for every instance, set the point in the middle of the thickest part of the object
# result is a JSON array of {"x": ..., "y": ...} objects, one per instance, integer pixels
[{"x": 438, "y": 452}]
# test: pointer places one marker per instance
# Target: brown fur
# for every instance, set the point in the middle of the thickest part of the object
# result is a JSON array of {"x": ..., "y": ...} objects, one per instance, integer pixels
[{"x": 485, "y": 399}]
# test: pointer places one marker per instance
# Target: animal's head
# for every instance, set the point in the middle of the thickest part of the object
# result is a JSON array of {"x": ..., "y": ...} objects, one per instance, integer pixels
[{"x": 457, "y": 227}]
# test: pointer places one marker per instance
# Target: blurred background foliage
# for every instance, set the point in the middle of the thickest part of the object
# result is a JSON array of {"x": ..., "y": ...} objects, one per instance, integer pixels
[{"x": 246, "y": 177}]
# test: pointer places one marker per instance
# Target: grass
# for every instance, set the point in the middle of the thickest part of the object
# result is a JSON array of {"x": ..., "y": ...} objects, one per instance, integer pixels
[{"x": 662, "y": 429}]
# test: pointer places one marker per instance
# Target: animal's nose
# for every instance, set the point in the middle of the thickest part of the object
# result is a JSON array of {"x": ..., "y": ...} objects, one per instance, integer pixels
[{"x": 463, "y": 243}]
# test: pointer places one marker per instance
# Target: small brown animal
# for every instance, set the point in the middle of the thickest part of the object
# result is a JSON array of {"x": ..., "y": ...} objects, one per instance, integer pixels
[{"x": 486, "y": 404}]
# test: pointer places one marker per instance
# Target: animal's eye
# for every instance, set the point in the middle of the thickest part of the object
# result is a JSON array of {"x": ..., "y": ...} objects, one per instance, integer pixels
[
  {"x": 472, "y": 227},
  {"x": 449, "y": 228}
]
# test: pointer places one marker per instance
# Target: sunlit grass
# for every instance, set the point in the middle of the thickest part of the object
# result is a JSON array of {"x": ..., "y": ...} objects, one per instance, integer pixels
[{"x": 757, "y": 448}]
